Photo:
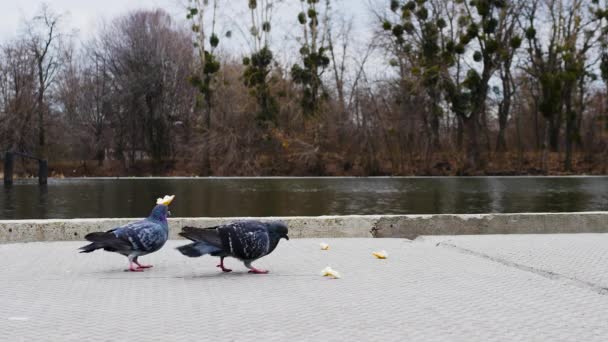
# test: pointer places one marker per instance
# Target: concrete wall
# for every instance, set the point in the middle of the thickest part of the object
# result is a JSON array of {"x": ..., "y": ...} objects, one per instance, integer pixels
[
  {"x": 410, "y": 226},
  {"x": 395, "y": 226}
]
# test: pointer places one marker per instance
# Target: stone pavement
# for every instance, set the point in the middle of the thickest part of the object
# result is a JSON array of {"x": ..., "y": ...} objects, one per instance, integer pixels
[{"x": 448, "y": 288}]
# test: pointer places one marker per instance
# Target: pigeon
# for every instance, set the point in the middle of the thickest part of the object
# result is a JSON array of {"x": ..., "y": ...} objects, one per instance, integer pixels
[
  {"x": 244, "y": 240},
  {"x": 137, "y": 238}
]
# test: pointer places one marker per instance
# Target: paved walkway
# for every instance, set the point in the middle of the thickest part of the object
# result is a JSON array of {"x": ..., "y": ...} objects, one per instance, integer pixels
[{"x": 467, "y": 288}]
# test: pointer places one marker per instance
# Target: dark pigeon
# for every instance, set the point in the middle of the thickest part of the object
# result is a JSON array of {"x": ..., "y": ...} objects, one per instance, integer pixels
[
  {"x": 244, "y": 240},
  {"x": 134, "y": 239}
]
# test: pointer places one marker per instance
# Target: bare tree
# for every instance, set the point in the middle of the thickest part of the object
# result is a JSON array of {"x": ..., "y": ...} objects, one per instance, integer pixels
[
  {"x": 314, "y": 19},
  {"x": 258, "y": 66},
  {"x": 43, "y": 38},
  {"x": 85, "y": 97},
  {"x": 148, "y": 61},
  {"x": 18, "y": 89},
  {"x": 558, "y": 60},
  {"x": 508, "y": 35},
  {"x": 205, "y": 41}
]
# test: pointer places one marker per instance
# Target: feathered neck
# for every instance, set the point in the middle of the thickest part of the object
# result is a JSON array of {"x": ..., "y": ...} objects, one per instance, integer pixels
[
  {"x": 274, "y": 241},
  {"x": 159, "y": 214}
]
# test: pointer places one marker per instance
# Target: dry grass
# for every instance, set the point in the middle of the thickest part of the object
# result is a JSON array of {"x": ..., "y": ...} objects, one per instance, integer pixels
[{"x": 326, "y": 164}]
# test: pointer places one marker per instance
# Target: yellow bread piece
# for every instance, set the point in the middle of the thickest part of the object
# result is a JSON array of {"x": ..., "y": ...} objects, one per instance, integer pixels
[
  {"x": 165, "y": 200},
  {"x": 329, "y": 272},
  {"x": 381, "y": 254}
]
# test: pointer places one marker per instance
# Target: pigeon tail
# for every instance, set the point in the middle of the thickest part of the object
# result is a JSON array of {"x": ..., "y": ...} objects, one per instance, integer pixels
[
  {"x": 197, "y": 249},
  {"x": 106, "y": 240},
  {"x": 89, "y": 248}
]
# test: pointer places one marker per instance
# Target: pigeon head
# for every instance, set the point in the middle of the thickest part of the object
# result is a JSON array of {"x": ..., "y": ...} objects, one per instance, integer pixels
[
  {"x": 278, "y": 230},
  {"x": 159, "y": 213}
]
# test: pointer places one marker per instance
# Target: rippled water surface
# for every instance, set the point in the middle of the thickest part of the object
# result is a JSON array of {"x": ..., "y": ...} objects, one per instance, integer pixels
[{"x": 78, "y": 198}]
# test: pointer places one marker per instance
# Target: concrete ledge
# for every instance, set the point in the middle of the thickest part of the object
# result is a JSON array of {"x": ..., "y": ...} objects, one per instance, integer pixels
[
  {"x": 76, "y": 229},
  {"x": 411, "y": 226},
  {"x": 382, "y": 226}
]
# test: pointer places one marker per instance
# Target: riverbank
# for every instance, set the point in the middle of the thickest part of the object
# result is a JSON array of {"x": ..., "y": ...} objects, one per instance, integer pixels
[
  {"x": 351, "y": 226},
  {"x": 439, "y": 164}
]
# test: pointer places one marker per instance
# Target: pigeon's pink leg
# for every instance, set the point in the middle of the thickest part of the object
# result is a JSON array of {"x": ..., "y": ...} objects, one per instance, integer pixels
[
  {"x": 257, "y": 271},
  {"x": 141, "y": 266},
  {"x": 134, "y": 269},
  {"x": 221, "y": 265},
  {"x": 254, "y": 270}
]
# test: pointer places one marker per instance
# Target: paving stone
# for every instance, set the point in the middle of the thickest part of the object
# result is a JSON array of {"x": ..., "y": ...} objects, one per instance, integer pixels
[
  {"x": 422, "y": 292},
  {"x": 579, "y": 257}
]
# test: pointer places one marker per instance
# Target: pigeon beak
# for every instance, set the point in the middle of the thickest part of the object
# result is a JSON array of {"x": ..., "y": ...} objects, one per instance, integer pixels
[{"x": 287, "y": 237}]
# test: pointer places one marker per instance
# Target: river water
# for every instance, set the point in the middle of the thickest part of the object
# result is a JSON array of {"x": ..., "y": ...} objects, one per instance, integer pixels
[{"x": 134, "y": 197}]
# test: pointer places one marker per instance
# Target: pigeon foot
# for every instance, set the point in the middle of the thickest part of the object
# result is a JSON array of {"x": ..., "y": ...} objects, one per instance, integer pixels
[
  {"x": 139, "y": 268},
  {"x": 224, "y": 269},
  {"x": 258, "y": 271},
  {"x": 221, "y": 265}
]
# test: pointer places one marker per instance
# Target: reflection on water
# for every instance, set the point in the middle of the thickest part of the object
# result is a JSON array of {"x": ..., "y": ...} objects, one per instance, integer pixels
[{"x": 72, "y": 198}]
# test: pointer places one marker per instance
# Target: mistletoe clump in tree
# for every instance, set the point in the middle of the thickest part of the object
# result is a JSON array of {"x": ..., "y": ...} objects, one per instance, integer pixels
[
  {"x": 205, "y": 45},
  {"x": 561, "y": 63},
  {"x": 258, "y": 66},
  {"x": 489, "y": 26},
  {"x": 314, "y": 58},
  {"x": 435, "y": 39},
  {"x": 419, "y": 36}
]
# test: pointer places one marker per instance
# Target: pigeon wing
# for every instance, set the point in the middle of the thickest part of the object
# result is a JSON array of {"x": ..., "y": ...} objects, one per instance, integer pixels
[
  {"x": 245, "y": 240},
  {"x": 204, "y": 241},
  {"x": 209, "y": 235},
  {"x": 144, "y": 235}
]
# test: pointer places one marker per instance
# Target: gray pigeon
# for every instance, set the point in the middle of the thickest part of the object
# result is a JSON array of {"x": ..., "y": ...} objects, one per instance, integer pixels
[
  {"x": 135, "y": 239},
  {"x": 244, "y": 240}
]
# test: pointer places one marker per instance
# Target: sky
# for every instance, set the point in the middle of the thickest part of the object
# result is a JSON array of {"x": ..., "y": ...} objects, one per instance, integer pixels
[
  {"x": 82, "y": 15},
  {"x": 86, "y": 16}
]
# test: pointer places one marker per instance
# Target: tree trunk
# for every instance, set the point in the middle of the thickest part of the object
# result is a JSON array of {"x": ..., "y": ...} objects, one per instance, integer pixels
[
  {"x": 555, "y": 122},
  {"x": 520, "y": 150},
  {"x": 40, "y": 107},
  {"x": 569, "y": 138},
  {"x": 340, "y": 122},
  {"x": 504, "y": 108},
  {"x": 41, "y": 129},
  {"x": 435, "y": 123},
  {"x": 570, "y": 123},
  {"x": 99, "y": 150},
  {"x": 545, "y": 146},
  {"x": 503, "y": 115},
  {"x": 206, "y": 157},
  {"x": 434, "y": 96},
  {"x": 501, "y": 142},
  {"x": 536, "y": 126},
  {"x": 474, "y": 160},
  {"x": 460, "y": 132},
  {"x": 486, "y": 133}
]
